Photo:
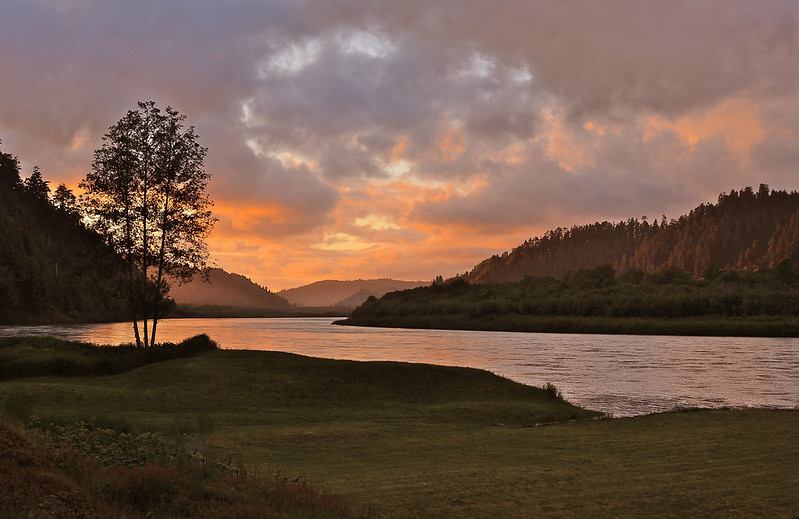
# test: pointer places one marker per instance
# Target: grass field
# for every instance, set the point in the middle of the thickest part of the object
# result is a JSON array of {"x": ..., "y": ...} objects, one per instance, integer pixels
[{"x": 418, "y": 441}]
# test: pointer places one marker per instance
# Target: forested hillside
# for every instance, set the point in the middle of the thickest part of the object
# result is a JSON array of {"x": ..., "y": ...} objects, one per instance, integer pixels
[
  {"x": 51, "y": 267},
  {"x": 744, "y": 230}
]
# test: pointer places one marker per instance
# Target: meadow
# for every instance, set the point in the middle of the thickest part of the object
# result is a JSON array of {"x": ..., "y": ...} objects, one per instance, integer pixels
[{"x": 219, "y": 433}]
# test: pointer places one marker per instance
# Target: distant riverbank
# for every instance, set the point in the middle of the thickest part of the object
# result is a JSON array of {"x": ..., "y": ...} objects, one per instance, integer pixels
[
  {"x": 735, "y": 303},
  {"x": 708, "y": 326},
  {"x": 227, "y": 312}
]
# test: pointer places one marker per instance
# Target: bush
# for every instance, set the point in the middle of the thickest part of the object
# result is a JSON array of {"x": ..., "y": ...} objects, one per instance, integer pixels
[{"x": 552, "y": 391}]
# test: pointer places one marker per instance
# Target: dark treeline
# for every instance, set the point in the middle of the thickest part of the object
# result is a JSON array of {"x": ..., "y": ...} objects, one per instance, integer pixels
[
  {"x": 763, "y": 303},
  {"x": 744, "y": 230},
  {"x": 51, "y": 267}
]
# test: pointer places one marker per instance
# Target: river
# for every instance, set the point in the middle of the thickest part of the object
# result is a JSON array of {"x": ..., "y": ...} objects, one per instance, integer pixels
[{"x": 623, "y": 375}]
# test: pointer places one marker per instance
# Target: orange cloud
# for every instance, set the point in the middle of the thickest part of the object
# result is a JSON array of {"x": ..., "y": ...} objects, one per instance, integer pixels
[
  {"x": 398, "y": 151},
  {"x": 569, "y": 150},
  {"x": 249, "y": 217},
  {"x": 371, "y": 233},
  {"x": 451, "y": 144},
  {"x": 736, "y": 119}
]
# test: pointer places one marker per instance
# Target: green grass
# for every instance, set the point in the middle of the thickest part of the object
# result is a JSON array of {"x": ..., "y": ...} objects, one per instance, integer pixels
[
  {"x": 408, "y": 440},
  {"x": 708, "y": 464}
]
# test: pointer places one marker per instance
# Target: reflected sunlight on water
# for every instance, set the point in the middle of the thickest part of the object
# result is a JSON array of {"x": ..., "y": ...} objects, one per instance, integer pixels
[{"x": 624, "y": 375}]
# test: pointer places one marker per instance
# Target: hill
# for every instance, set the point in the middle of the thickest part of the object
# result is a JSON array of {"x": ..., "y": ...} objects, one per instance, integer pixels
[
  {"x": 723, "y": 269},
  {"x": 744, "y": 230},
  {"x": 51, "y": 267},
  {"x": 225, "y": 289},
  {"x": 344, "y": 293}
]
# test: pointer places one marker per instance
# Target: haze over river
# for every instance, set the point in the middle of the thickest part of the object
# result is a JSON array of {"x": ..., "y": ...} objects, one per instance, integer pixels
[{"x": 624, "y": 375}]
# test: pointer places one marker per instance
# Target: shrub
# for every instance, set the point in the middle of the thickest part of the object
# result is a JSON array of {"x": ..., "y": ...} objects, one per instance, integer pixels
[{"x": 552, "y": 391}]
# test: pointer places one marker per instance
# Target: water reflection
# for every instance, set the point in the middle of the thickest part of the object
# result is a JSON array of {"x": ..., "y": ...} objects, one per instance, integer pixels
[{"x": 618, "y": 374}]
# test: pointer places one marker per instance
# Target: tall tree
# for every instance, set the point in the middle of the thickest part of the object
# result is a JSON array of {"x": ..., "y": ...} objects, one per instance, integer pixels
[
  {"x": 9, "y": 170},
  {"x": 36, "y": 186},
  {"x": 65, "y": 200},
  {"x": 146, "y": 195}
]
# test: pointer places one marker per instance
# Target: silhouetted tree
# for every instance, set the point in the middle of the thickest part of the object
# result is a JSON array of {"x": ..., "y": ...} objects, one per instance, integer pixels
[
  {"x": 65, "y": 200},
  {"x": 36, "y": 186},
  {"x": 9, "y": 170},
  {"x": 146, "y": 196}
]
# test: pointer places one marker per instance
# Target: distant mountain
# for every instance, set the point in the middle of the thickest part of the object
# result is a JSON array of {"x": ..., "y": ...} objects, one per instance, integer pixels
[
  {"x": 226, "y": 289},
  {"x": 744, "y": 230},
  {"x": 357, "y": 298},
  {"x": 344, "y": 293}
]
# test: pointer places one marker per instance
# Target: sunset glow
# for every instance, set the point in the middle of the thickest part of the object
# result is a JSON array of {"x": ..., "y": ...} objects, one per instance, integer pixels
[{"x": 415, "y": 139}]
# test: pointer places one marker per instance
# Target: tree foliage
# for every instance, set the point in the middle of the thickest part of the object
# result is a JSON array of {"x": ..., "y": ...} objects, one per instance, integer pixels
[
  {"x": 146, "y": 195},
  {"x": 9, "y": 170},
  {"x": 65, "y": 201},
  {"x": 36, "y": 186}
]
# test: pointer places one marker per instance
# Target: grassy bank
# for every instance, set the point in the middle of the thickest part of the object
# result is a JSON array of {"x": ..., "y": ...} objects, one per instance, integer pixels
[
  {"x": 40, "y": 356},
  {"x": 404, "y": 440}
]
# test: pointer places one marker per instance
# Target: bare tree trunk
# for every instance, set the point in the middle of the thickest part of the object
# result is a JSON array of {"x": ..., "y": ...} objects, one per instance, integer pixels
[
  {"x": 155, "y": 324},
  {"x": 156, "y": 301},
  {"x": 145, "y": 250},
  {"x": 132, "y": 295},
  {"x": 131, "y": 277},
  {"x": 161, "y": 256}
]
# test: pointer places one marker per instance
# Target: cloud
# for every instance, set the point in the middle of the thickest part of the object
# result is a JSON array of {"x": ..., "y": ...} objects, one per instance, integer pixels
[{"x": 415, "y": 137}]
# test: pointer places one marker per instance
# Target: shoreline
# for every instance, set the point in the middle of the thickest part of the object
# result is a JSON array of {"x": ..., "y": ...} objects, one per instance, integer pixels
[{"x": 711, "y": 326}]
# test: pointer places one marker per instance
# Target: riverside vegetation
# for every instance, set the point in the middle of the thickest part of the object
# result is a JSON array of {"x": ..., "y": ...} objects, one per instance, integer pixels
[
  {"x": 596, "y": 300},
  {"x": 201, "y": 432}
]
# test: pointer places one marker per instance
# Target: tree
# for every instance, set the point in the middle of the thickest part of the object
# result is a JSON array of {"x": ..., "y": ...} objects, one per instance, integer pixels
[
  {"x": 65, "y": 200},
  {"x": 9, "y": 170},
  {"x": 146, "y": 196},
  {"x": 36, "y": 186}
]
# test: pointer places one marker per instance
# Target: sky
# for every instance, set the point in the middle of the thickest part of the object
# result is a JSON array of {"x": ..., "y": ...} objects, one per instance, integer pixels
[{"x": 369, "y": 139}]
